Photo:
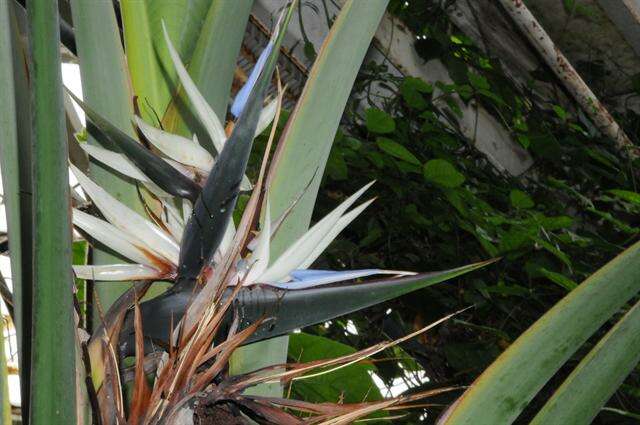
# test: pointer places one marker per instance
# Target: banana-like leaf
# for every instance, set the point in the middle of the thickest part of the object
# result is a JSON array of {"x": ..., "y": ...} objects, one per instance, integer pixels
[
  {"x": 500, "y": 394},
  {"x": 578, "y": 400},
  {"x": 67, "y": 36},
  {"x": 309, "y": 135},
  {"x": 53, "y": 359},
  {"x": 213, "y": 210},
  {"x": 15, "y": 149},
  {"x": 307, "y": 140},
  {"x": 217, "y": 48},
  {"x": 165, "y": 176},
  {"x": 152, "y": 76},
  {"x": 106, "y": 87},
  {"x": 290, "y": 309}
]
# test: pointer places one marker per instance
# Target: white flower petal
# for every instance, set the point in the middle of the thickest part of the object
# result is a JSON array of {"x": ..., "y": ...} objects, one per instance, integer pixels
[
  {"x": 344, "y": 221},
  {"x": 121, "y": 164},
  {"x": 301, "y": 249},
  {"x": 266, "y": 116},
  {"x": 117, "y": 272},
  {"x": 207, "y": 117},
  {"x": 110, "y": 236},
  {"x": 177, "y": 147},
  {"x": 115, "y": 160},
  {"x": 148, "y": 234},
  {"x": 245, "y": 184},
  {"x": 184, "y": 170}
]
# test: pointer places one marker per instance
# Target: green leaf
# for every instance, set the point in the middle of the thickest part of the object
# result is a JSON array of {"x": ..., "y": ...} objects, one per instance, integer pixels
[
  {"x": 554, "y": 223},
  {"x": 309, "y": 51},
  {"x": 376, "y": 158},
  {"x": 418, "y": 84},
  {"x": 478, "y": 81},
  {"x": 152, "y": 73},
  {"x": 53, "y": 359},
  {"x": 572, "y": 7},
  {"x": 516, "y": 237},
  {"x": 500, "y": 394},
  {"x": 580, "y": 397},
  {"x": 80, "y": 256},
  {"x": 465, "y": 91},
  {"x": 560, "y": 112},
  {"x": 396, "y": 150},
  {"x": 379, "y": 121},
  {"x": 353, "y": 143},
  {"x": 559, "y": 278},
  {"x": 15, "y": 149},
  {"x": 352, "y": 384},
  {"x": 411, "y": 90},
  {"x": 554, "y": 250},
  {"x": 337, "y": 167},
  {"x": 520, "y": 199},
  {"x": 627, "y": 195},
  {"x": 441, "y": 172},
  {"x": 310, "y": 132},
  {"x": 105, "y": 86}
]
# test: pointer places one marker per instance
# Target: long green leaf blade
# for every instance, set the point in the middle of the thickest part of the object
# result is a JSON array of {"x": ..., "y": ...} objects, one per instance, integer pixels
[
  {"x": 579, "y": 399},
  {"x": 105, "y": 85},
  {"x": 315, "y": 119},
  {"x": 500, "y": 394},
  {"x": 53, "y": 397},
  {"x": 152, "y": 75},
  {"x": 15, "y": 149},
  {"x": 307, "y": 143},
  {"x": 9, "y": 160},
  {"x": 142, "y": 58}
]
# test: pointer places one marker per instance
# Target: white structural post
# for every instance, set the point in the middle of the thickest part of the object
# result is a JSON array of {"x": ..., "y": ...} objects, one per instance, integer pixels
[{"x": 563, "y": 69}]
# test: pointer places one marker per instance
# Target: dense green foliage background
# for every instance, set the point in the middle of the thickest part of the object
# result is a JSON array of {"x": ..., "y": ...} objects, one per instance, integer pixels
[{"x": 441, "y": 204}]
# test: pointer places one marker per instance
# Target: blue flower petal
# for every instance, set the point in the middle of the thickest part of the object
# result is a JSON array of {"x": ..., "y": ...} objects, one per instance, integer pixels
[
  {"x": 243, "y": 94},
  {"x": 302, "y": 279}
]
